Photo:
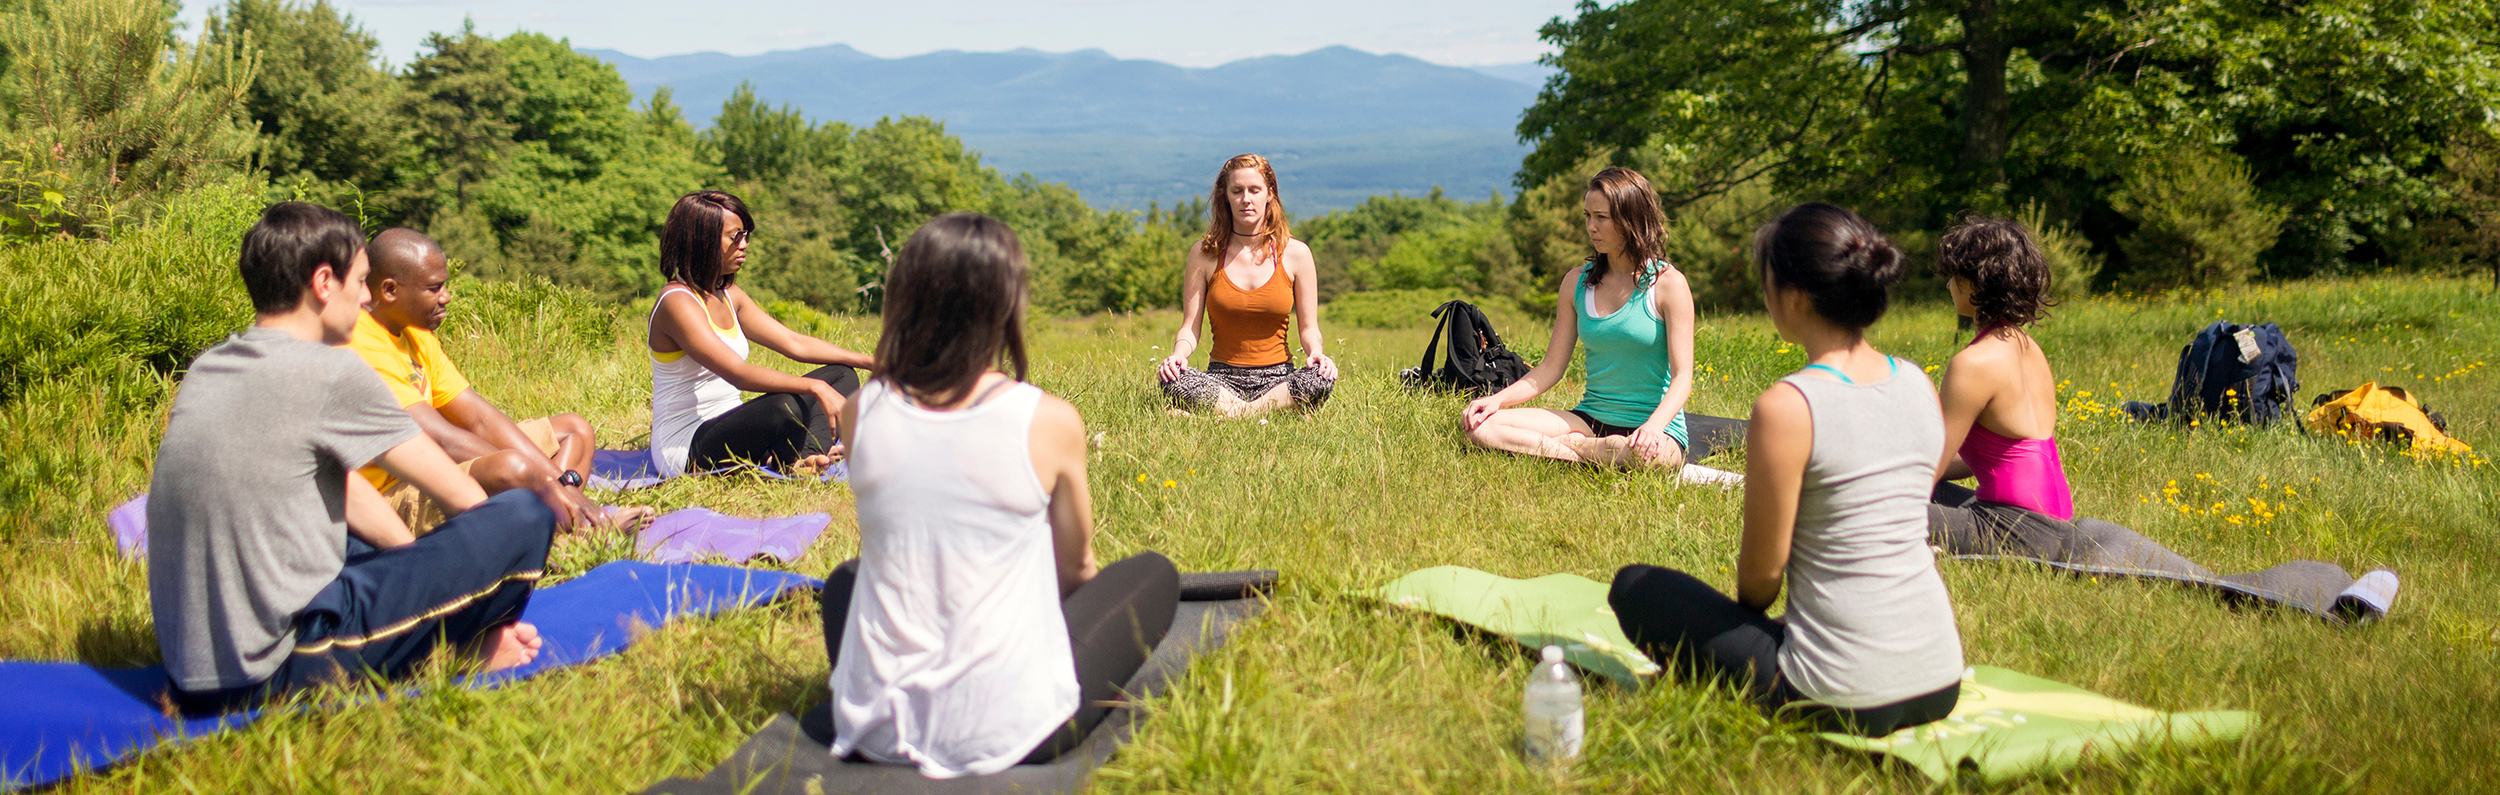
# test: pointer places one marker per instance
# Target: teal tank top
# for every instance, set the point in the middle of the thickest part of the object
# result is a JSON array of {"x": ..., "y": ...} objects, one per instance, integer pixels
[{"x": 1629, "y": 370}]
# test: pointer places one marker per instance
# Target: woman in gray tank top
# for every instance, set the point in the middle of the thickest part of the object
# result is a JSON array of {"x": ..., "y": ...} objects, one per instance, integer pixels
[{"x": 1840, "y": 457}]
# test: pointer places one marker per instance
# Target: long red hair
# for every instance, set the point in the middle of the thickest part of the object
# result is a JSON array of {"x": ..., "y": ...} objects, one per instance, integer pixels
[{"x": 1220, "y": 222}]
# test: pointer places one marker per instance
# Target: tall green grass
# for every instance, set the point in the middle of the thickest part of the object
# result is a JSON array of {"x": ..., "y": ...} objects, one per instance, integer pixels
[{"x": 1325, "y": 692}]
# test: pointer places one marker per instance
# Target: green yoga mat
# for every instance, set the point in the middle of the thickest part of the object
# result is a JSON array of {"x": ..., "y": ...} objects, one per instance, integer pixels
[
  {"x": 1565, "y": 610},
  {"x": 2006, "y": 724},
  {"x": 2009, "y": 724}
]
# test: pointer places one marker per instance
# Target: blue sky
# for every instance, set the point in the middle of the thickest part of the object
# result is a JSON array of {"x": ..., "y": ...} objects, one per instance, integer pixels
[{"x": 1184, "y": 32}]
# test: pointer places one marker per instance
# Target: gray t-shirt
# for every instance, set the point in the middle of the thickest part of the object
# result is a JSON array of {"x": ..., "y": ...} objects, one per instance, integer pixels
[
  {"x": 247, "y": 514},
  {"x": 1869, "y": 622}
]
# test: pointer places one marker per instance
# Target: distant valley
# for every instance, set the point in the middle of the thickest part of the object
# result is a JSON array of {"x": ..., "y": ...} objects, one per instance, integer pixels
[{"x": 1341, "y": 124}]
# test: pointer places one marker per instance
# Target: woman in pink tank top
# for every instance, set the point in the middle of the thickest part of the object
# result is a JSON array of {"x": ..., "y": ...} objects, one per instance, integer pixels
[
  {"x": 2000, "y": 400},
  {"x": 2000, "y": 422}
]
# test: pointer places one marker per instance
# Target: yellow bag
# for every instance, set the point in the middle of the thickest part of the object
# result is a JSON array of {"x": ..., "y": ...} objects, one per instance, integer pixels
[{"x": 2388, "y": 413}]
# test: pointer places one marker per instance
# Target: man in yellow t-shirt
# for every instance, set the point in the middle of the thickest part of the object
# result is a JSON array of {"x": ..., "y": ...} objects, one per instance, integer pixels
[{"x": 411, "y": 297}]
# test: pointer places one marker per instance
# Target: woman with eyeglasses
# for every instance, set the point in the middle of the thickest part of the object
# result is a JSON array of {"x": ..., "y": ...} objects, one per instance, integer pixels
[{"x": 700, "y": 330}]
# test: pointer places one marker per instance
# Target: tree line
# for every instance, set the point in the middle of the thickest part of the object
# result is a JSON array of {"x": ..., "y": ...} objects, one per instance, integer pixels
[
  {"x": 2168, "y": 143},
  {"x": 2154, "y": 143},
  {"x": 525, "y": 158}
]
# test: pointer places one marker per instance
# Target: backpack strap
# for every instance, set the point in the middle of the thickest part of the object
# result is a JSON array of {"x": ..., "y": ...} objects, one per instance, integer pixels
[{"x": 1432, "y": 349}]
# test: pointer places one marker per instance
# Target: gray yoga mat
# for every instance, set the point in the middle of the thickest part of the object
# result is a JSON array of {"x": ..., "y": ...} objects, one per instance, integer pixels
[
  {"x": 793, "y": 755},
  {"x": 1710, "y": 436},
  {"x": 1968, "y": 529}
]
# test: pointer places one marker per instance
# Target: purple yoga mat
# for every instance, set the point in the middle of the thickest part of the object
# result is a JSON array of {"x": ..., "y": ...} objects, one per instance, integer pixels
[
  {"x": 130, "y": 526},
  {"x": 621, "y": 470},
  {"x": 694, "y": 534},
  {"x": 685, "y": 536}
]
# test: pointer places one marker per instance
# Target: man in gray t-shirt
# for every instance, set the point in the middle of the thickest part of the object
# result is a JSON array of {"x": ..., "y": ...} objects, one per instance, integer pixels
[{"x": 269, "y": 568}]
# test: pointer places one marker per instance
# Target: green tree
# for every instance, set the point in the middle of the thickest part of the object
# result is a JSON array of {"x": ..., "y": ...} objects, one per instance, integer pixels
[
  {"x": 105, "y": 114},
  {"x": 1916, "y": 111},
  {"x": 458, "y": 106},
  {"x": 760, "y": 142},
  {"x": 326, "y": 109}
]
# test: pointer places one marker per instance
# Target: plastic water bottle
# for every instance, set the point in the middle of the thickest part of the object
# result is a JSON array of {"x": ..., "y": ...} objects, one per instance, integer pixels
[{"x": 1552, "y": 705}]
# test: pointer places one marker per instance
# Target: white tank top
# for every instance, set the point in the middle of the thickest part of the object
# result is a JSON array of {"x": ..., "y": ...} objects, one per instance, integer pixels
[
  {"x": 955, "y": 656},
  {"x": 684, "y": 393}
]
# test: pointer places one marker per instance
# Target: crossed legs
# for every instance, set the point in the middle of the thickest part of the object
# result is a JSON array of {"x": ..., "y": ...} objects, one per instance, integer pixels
[{"x": 1563, "y": 436}]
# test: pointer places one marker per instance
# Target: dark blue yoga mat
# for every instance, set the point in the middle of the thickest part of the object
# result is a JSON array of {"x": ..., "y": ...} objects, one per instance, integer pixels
[{"x": 60, "y": 719}]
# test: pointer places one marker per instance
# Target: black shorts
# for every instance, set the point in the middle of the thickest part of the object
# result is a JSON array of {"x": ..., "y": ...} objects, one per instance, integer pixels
[{"x": 1602, "y": 427}]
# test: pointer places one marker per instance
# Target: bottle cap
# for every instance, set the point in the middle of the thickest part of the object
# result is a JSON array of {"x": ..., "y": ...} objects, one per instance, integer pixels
[{"x": 1553, "y": 654}]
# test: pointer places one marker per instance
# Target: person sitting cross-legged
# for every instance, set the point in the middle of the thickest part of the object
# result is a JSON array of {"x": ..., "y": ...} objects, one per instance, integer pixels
[
  {"x": 1839, "y": 456},
  {"x": 974, "y": 631},
  {"x": 700, "y": 329},
  {"x": 1634, "y": 313},
  {"x": 410, "y": 284},
  {"x": 1250, "y": 279},
  {"x": 270, "y": 569}
]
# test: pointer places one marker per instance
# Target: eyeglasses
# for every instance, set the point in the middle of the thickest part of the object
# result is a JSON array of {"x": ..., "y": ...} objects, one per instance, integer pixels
[{"x": 739, "y": 236}]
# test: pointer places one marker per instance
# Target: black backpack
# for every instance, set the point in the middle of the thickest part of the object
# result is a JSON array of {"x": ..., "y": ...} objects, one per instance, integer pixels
[
  {"x": 2232, "y": 373},
  {"x": 1476, "y": 363}
]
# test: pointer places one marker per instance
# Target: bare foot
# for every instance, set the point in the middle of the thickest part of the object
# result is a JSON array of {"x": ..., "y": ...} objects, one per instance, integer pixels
[
  {"x": 510, "y": 645},
  {"x": 1178, "y": 412},
  {"x": 634, "y": 518},
  {"x": 812, "y": 466}
]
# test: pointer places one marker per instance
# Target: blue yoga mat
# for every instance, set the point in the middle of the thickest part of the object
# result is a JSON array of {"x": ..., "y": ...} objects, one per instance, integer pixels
[{"x": 60, "y": 719}]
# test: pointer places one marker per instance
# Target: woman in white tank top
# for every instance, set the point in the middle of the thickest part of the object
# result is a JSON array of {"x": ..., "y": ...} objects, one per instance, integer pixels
[
  {"x": 699, "y": 332},
  {"x": 974, "y": 631},
  {"x": 1839, "y": 460}
]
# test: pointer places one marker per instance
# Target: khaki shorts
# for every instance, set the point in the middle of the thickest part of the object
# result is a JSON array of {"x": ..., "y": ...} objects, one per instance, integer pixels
[{"x": 423, "y": 514}]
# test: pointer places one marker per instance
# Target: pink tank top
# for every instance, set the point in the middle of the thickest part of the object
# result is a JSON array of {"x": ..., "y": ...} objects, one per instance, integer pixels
[{"x": 2024, "y": 473}]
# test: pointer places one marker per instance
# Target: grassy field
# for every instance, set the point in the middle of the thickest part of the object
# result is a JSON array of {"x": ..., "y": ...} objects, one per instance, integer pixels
[{"x": 1324, "y": 692}]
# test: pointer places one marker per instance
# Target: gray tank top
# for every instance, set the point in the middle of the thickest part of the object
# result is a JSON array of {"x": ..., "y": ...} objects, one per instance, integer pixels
[{"x": 1869, "y": 622}]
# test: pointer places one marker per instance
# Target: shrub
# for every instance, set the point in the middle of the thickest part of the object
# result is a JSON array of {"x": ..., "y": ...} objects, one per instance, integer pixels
[
  {"x": 92, "y": 335},
  {"x": 2199, "y": 222},
  {"x": 2072, "y": 265}
]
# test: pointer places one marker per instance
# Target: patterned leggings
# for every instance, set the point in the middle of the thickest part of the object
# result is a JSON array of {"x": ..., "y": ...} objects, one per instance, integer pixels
[{"x": 1196, "y": 389}]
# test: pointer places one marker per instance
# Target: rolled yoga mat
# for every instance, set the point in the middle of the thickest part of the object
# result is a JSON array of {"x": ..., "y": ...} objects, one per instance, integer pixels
[
  {"x": 1968, "y": 529},
  {"x": 794, "y": 755},
  {"x": 2006, "y": 724},
  {"x": 63, "y": 719}
]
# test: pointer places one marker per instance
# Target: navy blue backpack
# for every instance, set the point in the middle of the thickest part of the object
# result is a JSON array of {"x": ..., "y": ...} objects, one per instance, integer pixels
[{"x": 2230, "y": 373}]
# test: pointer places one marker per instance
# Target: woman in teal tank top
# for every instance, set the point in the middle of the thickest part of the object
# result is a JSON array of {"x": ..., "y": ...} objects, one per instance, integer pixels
[{"x": 1637, "y": 321}]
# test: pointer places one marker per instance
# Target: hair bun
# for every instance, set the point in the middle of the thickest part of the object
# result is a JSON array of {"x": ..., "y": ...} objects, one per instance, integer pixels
[{"x": 1884, "y": 261}]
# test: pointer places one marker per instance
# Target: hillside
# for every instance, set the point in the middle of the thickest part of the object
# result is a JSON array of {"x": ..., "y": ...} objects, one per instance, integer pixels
[{"x": 1343, "y": 124}]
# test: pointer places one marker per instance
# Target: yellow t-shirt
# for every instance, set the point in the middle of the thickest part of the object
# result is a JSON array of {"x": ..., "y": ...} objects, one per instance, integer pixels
[{"x": 413, "y": 366}]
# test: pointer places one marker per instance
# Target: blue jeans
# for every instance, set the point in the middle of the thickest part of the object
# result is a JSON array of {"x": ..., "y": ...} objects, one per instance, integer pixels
[{"x": 389, "y": 610}]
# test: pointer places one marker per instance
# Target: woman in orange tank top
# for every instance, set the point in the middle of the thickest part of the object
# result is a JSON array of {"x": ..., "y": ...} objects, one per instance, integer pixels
[{"x": 1250, "y": 279}]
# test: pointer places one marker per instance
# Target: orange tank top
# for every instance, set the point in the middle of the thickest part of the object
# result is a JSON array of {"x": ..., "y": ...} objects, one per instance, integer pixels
[{"x": 1250, "y": 324}]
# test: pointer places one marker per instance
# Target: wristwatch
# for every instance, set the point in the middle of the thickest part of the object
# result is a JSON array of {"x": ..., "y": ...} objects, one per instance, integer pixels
[{"x": 571, "y": 478}]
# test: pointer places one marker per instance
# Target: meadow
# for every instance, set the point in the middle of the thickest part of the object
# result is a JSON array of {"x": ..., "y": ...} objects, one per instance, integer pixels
[{"x": 1325, "y": 692}]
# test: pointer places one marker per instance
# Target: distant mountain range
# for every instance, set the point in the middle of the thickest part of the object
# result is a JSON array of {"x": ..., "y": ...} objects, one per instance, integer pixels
[{"x": 1341, "y": 124}]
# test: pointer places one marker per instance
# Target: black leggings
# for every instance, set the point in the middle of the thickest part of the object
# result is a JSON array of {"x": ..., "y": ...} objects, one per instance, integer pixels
[
  {"x": 1702, "y": 634},
  {"x": 1114, "y": 622},
  {"x": 774, "y": 430}
]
